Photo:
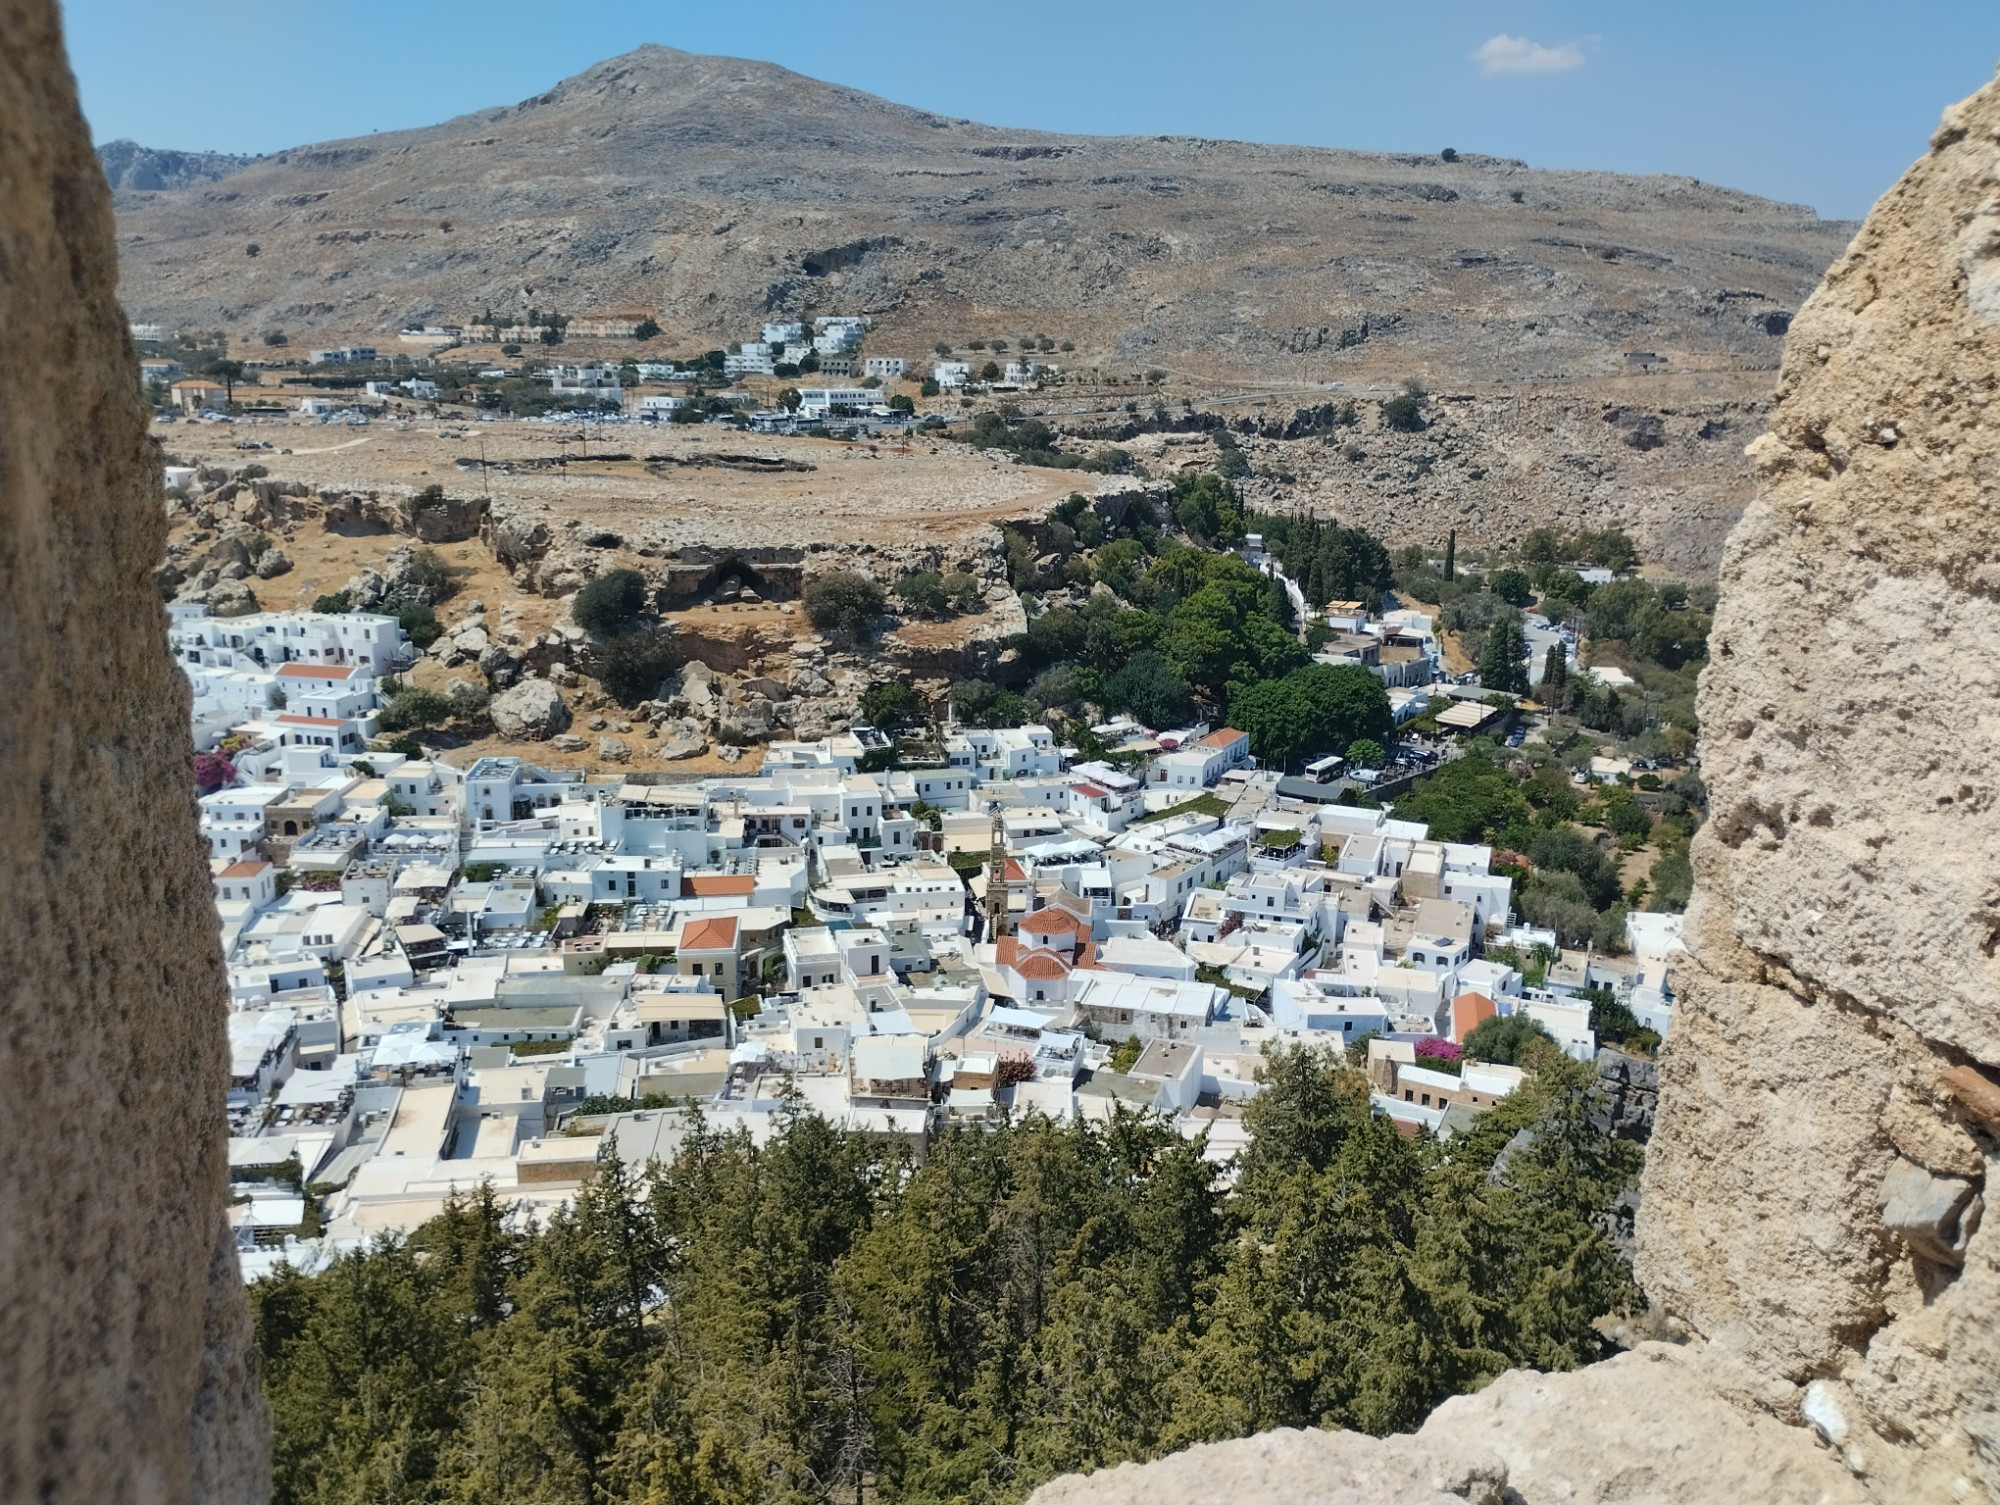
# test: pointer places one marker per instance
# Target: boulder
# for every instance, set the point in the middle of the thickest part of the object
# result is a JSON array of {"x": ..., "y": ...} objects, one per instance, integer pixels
[
  {"x": 533, "y": 711},
  {"x": 614, "y": 750},
  {"x": 272, "y": 563},
  {"x": 499, "y": 665}
]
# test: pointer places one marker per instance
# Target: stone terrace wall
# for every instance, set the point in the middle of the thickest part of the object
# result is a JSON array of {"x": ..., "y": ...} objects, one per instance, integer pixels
[{"x": 123, "y": 1329}]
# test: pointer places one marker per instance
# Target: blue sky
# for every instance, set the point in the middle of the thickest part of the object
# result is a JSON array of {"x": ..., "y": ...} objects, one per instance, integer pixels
[{"x": 1822, "y": 102}]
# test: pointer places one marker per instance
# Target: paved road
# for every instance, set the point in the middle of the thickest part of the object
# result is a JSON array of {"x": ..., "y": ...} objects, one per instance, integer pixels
[{"x": 1540, "y": 633}]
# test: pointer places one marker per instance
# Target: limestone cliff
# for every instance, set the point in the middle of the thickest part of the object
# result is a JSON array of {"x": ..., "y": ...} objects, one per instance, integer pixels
[
  {"x": 1814, "y": 1189},
  {"x": 1829, "y": 1103},
  {"x": 125, "y": 1339}
]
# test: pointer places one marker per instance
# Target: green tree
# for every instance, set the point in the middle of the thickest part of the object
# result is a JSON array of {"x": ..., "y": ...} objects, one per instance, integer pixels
[
  {"x": 889, "y": 704},
  {"x": 1506, "y": 1039},
  {"x": 1511, "y": 586},
  {"x": 1366, "y": 752},
  {"x": 1555, "y": 669},
  {"x": 1501, "y": 657},
  {"x": 611, "y": 603},
  {"x": 1451, "y": 555}
]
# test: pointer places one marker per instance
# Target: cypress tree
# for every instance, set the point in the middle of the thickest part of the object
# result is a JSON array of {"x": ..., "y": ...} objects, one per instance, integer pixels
[{"x": 1451, "y": 555}]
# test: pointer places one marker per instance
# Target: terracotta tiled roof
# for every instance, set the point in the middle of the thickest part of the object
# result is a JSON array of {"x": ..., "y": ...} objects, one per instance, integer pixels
[
  {"x": 717, "y": 933},
  {"x": 1042, "y": 966},
  {"x": 310, "y": 720},
  {"x": 1227, "y": 737},
  {"x": 249, "y": 868},
  {"x": 1089, "y": 791},
  {"x": 1468, "y": 1011},
  {"x": 1011, "y": 871},
  {"x": 1050, "y": 921},
  {"x": 315, "y": 671}
]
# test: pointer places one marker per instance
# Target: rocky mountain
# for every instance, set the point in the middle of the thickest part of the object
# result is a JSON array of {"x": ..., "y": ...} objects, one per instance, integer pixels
[
  {"x": 714, "y": 191},
  {"x": 145, "y": 169}
]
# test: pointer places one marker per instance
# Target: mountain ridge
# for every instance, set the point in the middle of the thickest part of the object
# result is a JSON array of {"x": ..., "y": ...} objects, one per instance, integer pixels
[{"x": 714, "y": 191}]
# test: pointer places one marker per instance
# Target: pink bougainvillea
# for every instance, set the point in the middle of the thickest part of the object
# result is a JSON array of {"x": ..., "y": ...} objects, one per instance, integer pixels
[
  {"x": 212, "y": 770},
  {"x": 1438, "y": 1050}
]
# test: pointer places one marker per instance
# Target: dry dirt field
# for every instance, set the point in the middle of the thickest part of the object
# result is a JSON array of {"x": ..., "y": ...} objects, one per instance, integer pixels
[{"x": 892, "y": 493}]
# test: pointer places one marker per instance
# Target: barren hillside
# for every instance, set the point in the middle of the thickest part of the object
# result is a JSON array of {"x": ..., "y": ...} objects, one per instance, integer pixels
[{"x": 714, "y": 191}]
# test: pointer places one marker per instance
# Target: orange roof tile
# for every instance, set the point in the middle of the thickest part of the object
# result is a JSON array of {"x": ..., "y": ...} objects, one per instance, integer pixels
[
  {"x": 720, "y": 885},
  {"x": 248, "y": 868},
  {"x": 1011, "y": 872},
  {"x": 1468, "y": 1011},
  {"x": 1042, "y": 966},
  {"x": 315, "y": 671},
  {"x": 1227, "y": 737},
  {"x": 310, "y": 720},
  {"x": 1051, "y": 921},
  {"x": 1005, "y": 949},
  {"x": 717, "y": 933}
]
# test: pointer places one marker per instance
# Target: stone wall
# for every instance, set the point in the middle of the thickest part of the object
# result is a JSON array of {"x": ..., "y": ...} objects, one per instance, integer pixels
[{"x": 126, "y": 1372}]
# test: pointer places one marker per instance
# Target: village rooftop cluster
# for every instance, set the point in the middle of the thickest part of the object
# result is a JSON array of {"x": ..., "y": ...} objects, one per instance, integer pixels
[
  {"x": 504, "y": 973},
  {"x": 838, "y": 383}
]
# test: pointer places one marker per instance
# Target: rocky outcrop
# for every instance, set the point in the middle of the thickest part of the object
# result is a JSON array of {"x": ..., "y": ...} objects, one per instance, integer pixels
[
  {"x": 533, "y": 711},
  {"x": 128, "y": 1370},
  {"x": 1658, "y": 1424},
  {"x": 1828, "y": 1115},
  {"x": 1847, "y": 889}
]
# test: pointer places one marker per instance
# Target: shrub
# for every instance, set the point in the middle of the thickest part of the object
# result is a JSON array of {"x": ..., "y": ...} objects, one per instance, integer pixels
[
  {"x": 335, "y": 604},
  {"x": 1405, "y": 411},
  {"x": 418, "y": 621},
  {"x": 608, "y": 604},
  {"x": 963, "y": 591},
  {"x": 845, "y": 601},
  {"x": 631, "y": 665},
  {"x": 889, "y": 704},
  {"x": 922, "y": 590},
  {"x": 410, "y": 709},
  {"x": 212, "y": 770},
  {"x": 978, "y": 702},
  {"x": 646, "y": 329}
]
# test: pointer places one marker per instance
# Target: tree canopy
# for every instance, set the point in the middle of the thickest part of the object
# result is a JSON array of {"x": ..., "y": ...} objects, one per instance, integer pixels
[
  {"x": 818, "y": 1318},
  {"x": 1313, "y": 711}
]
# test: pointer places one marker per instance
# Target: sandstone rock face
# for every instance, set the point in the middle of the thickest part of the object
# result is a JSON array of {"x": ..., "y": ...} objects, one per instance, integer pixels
[
  {"x": 1811, "y": 1191},
  {"x": 128, "y": 1370},
  {"x": 1283, "y": 1467},
  {"x": 533, "y": 711}
]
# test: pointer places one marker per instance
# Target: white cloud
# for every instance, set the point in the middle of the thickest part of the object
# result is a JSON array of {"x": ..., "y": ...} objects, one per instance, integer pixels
[{"x": 1505, "y": 54}]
